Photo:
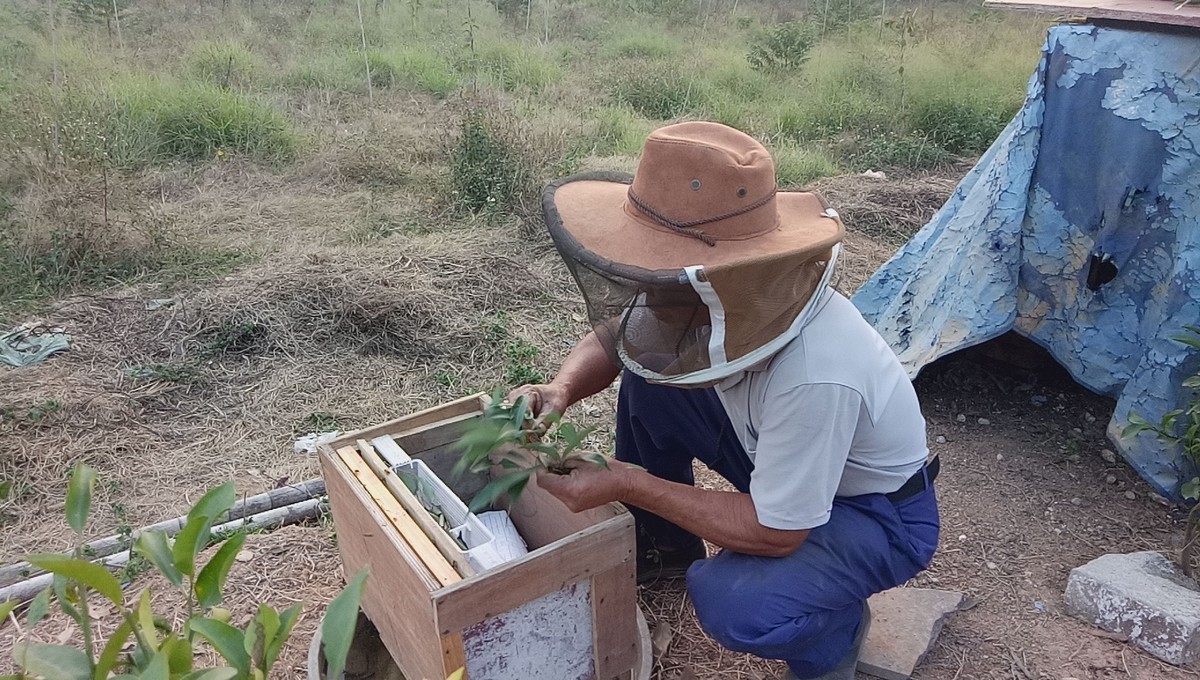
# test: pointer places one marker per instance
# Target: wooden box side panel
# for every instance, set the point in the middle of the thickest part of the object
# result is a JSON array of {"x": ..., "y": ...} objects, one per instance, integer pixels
[
  {"x": 549, "y": 569},
  {"x": 420, "y": 419},
  {"x": 614, "y": 618},
  {"x": 543, "y": 519},
  {"x": 395, "y": 597}
]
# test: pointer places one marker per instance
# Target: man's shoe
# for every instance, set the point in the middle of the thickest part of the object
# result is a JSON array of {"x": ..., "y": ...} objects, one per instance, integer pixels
[
  {"x": 845, "y": 668},
  {"x": 657, "y": 564}
]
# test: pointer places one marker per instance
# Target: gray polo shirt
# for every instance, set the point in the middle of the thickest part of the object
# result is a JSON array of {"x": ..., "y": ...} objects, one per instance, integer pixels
[{"x": 832, "y": 413}]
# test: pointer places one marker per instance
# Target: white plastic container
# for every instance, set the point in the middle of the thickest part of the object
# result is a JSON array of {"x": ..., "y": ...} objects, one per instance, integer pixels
[{"x": 482, "y": 551}]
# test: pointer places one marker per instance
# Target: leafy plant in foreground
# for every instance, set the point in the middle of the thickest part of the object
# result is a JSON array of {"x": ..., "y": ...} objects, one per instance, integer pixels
[
  {"x": 159, "y": 649},
  {"x": 509, "y": 436},
  {"x": 1181, "y": 428}
]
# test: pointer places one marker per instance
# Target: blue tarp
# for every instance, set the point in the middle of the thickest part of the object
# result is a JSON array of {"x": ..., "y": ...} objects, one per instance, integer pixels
[{"x": 1079, "y": 229}]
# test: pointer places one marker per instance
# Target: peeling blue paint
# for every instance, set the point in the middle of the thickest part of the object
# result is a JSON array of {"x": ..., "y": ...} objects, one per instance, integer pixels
[{"x": 1079, "y": 228}]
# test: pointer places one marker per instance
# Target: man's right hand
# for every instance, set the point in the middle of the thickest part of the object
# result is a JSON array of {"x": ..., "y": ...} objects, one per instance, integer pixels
[{"x": 543, "y": 399}]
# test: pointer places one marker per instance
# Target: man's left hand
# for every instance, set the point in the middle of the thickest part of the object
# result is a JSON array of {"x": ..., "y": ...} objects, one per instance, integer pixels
[{"x": 589, "y": 485}]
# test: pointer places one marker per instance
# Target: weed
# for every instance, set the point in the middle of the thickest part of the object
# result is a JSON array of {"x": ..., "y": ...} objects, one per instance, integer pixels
[
  {"x": 887, "y": 150},
  {"x": 179, "y": 373},
  {"x": 783, "y": 47},
  {"x": 958, "y": 126},
  {"x": 319, "y": 421},
  {"x": 487, "y": 170},
  {"x": 224, "y": 64},
  {"x": 514, "y": 65},
  {"x": 326, "y": 72},
  {"x": 236, "y": 337},
  {"x": 644, "y": 42},
  {"x": 796, "y": 167},
  {"x": 44, "y": 410}
]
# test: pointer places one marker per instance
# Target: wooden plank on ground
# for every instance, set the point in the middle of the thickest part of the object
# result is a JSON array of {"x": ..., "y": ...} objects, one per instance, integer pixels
[
  {"x": 397, "y": 594},
  {"x": 441, "y": 569},
  {"x": 539, "y": 573},
  {"x": 434, "y": 531},
  {"x": 1166, "y": 12}
]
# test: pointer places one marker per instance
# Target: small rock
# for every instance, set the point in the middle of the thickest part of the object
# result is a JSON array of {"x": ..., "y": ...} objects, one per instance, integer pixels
[
  {"x": 1074, "y": 458},
  {"x": 1039, "y": 400},
  {"x": 993, "y": 566},
  {"x": 244, "y": 556},
  {"x": 1108, "y": 456},
  {"x": 962, "y": 417},
  {"x": 875, "y": 174},
  {"x": 984, "y": 421},
  {"x": 905, "y": 623},
  {"x": 1111, "y": 479},
  {"x": 1131, "y": 495},
  {"x": 1076, "y": 501},
  {"x": 962, "y": 537},
  {"x": 1040, "y": 606},
  {"x": 1089, "y": 417},
  {"x": 65, "y": 636},
  {"x": 1158, "y": 499},
  {"x": 940, "y": 439},
  {"x": 1076, "y": 433},
  {"x": 999, "y": 456}
]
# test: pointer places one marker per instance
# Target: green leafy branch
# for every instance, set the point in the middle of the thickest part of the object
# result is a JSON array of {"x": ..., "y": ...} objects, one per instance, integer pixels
[
  {"x": 160, "y": 651},
  {"x": 1181, "y": 428},
  {"x": 521, "y": 445}
]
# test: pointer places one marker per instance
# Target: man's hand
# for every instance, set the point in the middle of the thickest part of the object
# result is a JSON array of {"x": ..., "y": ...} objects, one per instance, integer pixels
[
  {"x": 589, "y": 485},
  {"x": 543, "y": 399}
]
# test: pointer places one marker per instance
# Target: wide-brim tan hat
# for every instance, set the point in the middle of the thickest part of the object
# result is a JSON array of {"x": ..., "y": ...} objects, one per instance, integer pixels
[{"x": 702, "y": 210}]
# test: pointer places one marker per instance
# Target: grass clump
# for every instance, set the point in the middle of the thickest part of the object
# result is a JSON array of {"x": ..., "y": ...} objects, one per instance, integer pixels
[
  {"x": 889, "y": 150},
  {"x": 618, "y": 131},
  {"x": 227, "y": 65},
  {"x": 414, "y": 68},
  {"x": 195, "y": 121},
  {"x": 796, "y": 167},
  {"x": 514, "y": 66},
  {"x": 644, "y": 42},
  {"x": 488, "y": 172},
  {"x": 659, "y": 90},
  {"x": 338, "y": 72}
]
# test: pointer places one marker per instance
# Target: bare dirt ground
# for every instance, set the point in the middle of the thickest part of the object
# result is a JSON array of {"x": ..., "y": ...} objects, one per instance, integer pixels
[{"x": 324, "y": 329}]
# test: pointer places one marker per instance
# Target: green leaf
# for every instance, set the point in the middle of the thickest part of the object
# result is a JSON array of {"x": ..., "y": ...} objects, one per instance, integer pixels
[
  {"x": 112, "y": 651},
  {"x": 159, "y": 667},
  {"x": 337, "y": 628},
  {"x": 1191, "y": 490},
  {"x": 6, "y": 608},
  {"x": 179, "y": 655},
  {"x": 598, "y": 459},
  {"x": 268, "y": 624},
  {"x": 1188, "y": 340},
  {"x": 153, "y": 546},
  {"x": 215, "y": 503},
  {"x": 226, "y": 639},
  {"x": 79, "y": 496},
  {"x": 275, "y": 643},
  {"x": 38, "y": 608},
  {"x": 512, "y": 483},
  {"x": 89, "y": 574},
  {"x": 63, "y": 595},
  {"x": 212, "y": 674},
  {"x": 211, "y": 580},
  {"x": 145, "y": 621},
  {"x": 189, "y": 542},
  {"x": 1192, "y": 382},
  {"x": 52, "y": 662}
]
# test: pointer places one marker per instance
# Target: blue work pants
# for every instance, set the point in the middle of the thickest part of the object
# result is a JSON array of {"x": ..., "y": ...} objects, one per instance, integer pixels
[{"x": 806, "y": 608}]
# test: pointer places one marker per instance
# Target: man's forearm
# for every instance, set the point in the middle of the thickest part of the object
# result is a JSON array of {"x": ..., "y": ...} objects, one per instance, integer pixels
[
  {"x": 586, "y": 370},
  {"x": 726, "y": 518}
]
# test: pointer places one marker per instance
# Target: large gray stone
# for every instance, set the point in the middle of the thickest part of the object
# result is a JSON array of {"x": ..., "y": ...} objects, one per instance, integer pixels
[
  {"x": 905, "y": 623},
  {"x": 1142, "y": 596}
]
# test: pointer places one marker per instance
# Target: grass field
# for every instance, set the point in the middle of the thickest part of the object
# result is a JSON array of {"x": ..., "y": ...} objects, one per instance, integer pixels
[{"x": 436, "y": 111}]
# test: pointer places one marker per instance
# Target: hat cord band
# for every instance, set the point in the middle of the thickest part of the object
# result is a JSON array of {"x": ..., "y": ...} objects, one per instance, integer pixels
[{"x": 686, "y": 228}]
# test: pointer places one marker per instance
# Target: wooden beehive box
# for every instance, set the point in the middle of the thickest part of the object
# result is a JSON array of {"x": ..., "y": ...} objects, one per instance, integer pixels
[{"x": 565, "y": 611}]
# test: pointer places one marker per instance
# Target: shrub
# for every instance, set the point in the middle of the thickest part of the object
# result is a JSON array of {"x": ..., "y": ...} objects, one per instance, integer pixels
[
  {"x": 959, "y": 126},
  {"x": 782, "y": 47},
  {"x": 488, "y": 172},
  {"x": 660, "y": 91},
  {"x": 224, "y": 64}
]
